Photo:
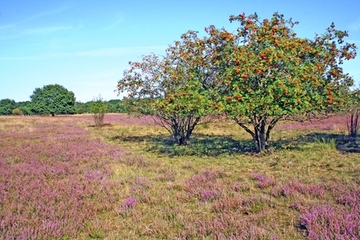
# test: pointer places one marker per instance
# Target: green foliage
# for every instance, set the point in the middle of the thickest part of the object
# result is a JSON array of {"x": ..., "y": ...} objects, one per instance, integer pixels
[
  {"x": 117, "y": 106},
  {"x": 25, "y": 107},
  {"x": 175, "y": 89},
  {"x": 113, "y": 106},
  {"x": 326, "y": 144},
  {"x": 256, "y": 76},
  {"x": 98, "y": 108},
  {"x": 53, "y": 99},
  {"x": 6, "y": 106},
  {"x": 269, "y": 73},
  {"x": 80, "y": 108}
]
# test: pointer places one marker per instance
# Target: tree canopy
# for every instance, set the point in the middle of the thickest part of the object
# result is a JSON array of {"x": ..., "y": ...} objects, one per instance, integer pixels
[
  {"x": 7, "y": 106},
  {"x": 256, "y": 76},
  {"x": 175, "y": 88},
  {"x": 53, "y": 99},
  {"x": 268, "y": 73}
]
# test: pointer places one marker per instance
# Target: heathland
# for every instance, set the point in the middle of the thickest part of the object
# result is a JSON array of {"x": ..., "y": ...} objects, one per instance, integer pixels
[{"x": 63, "y": 178}]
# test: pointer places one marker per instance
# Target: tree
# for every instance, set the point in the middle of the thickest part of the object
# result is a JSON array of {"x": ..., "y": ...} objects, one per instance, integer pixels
[
  {"x": 269, "y": 73},
  {"x": 116, "y": 106},
  {"x": 25, "y": 107},
  {"x": 53, "y": 99},
  {"x": 174, "y": 88},
  {"x": 6, "y": 106},
  {"x": 98, "y": 108}
]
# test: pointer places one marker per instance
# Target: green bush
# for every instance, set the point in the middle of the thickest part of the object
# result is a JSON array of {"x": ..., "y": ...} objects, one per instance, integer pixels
[{"x": 98, "y": 108}]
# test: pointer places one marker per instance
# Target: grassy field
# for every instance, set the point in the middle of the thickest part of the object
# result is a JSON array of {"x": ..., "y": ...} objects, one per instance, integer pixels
[{"x": 63, "y": 178}]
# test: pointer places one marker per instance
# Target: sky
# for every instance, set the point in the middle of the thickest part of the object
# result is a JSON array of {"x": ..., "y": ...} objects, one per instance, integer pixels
[{"x": 85, "y": 45}]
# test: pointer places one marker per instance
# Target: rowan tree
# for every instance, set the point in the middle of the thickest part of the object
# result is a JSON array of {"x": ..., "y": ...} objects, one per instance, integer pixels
[
  {"x": 269, "y": 73},
  {"x": 174, "y": 88}
]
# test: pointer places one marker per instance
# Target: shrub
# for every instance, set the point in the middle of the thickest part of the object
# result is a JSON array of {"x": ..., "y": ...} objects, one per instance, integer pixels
[
  {"x": 17, "y": 112},
  {"x": 98, "y": 108}
]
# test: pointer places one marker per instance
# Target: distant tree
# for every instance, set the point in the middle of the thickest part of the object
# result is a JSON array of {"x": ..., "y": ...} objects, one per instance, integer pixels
[
  {"x": 114, "y": 106},
  {"x": 123, "y": 106},
  {"x": 80, "y": 108},
  {"x": 98, "y": 107},
  {"x": 6, "y": 106},
  {"x": 53, "y": 99},
  {"x": 25, "y": 107}
]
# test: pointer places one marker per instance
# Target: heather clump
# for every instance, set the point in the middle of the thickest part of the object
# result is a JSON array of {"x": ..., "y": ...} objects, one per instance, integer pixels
[
  {"x": 127, "y": 205},
  {"x": 263, "y": 181},
  {"x": 204, "y": 185},
  {"x": 336, "y": 219},
  {"x": 233, "y": 225},
  {"x": 295, "y": 188},
  {"x": 329, "y": 222}
]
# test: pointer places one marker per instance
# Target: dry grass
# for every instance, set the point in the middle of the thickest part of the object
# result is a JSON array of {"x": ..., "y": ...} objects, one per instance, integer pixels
[{"x": 216, "y": 188}]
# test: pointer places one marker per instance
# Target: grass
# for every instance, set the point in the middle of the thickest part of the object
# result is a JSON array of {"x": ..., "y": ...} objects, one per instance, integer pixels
[{"x": 127, "y": 180}]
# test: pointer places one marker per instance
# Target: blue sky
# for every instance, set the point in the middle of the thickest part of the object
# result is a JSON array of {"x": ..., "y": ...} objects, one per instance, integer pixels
[{"x": 86, "y": 45}]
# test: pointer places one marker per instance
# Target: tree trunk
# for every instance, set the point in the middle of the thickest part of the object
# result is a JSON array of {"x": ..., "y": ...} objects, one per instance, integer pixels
[
  {"x": 182, "y": 128},
  {"x": 353, "y": 123},
  {"x": 259, "y": 137},
  {"x": 261, "y": 132}
]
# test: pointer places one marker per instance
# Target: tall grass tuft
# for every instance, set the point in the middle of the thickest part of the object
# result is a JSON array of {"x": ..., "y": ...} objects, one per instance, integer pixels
[{"x": 325, "y": 144}]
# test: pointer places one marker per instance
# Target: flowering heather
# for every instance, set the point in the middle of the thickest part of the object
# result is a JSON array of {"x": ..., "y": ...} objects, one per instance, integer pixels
[
  {"x": 166, "y": 174},
  {"x": 350, "y": 198},
  {"x": 140, "y": 184},
  {"x": 294, "y": 187},
  {"x": 204, "y": 185},
  {"x": 318, "y": 124},
  {"x": 330, "y": 222},
  {"x": 59, "y": 179},
  {"x": 232, "y": 225},
  {"x": 262, "y": 180},
  {"x": 128, "y": 204},
  {"x": 53, "y": 180},
  {"x": 110, "y": 118},
  {"x": 125, "y": 119}
]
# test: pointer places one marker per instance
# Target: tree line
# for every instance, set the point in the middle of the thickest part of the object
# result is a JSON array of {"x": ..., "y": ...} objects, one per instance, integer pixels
[{"x": 55, "y": 99}]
